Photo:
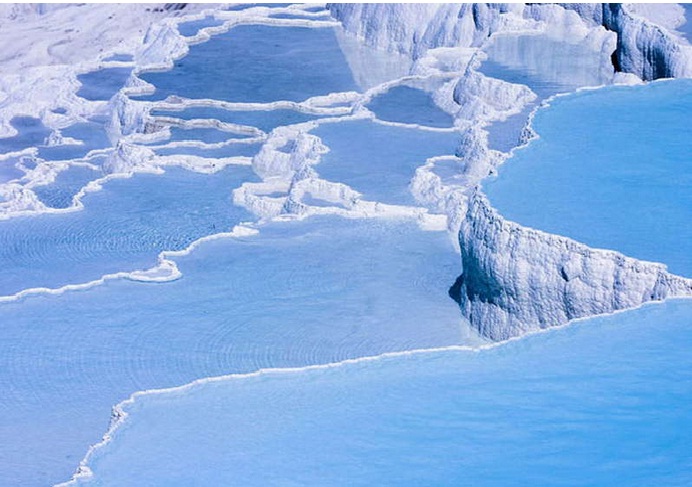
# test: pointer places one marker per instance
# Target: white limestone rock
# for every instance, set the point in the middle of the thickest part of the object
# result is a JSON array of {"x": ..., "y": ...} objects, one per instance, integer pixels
[{"x": 517, "y": 279}]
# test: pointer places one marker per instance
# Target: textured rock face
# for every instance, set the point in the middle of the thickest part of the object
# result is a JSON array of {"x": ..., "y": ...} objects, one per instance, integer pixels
[
  {"x": 643, "y": 47},
  {"x": 414, "y": 28},
  {"x": 518, "y": 279}
]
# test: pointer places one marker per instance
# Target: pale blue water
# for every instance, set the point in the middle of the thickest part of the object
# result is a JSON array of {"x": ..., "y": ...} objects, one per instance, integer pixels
[
  {"x": 31, "y": 132},
  {"x": 378, "y": 160},
  {"x": 252, "y": 5},
  {"x": 122, "y": 228},
  {"x": 207, "y": 135},
  {"x": 9, "y": 170},
  {"x": 307, "y": 292},
  {"x": 230, "y": 150},
  {"x": 601, "y": 403},
  {"x": 297, "y": 16},
  {"x": 193, "y": 27},
  {"x": 449, "y": 169},
  {"x": 92, "y": 134},
  {"x": 299, "y": 293},
  {"x": 410, "y": 105},
  {"x": 546, "y": 65},
  {"x": 265, "y": 120},
  {"x": 612, "y": 169},
  {"x": 317, "y": 291},
  {"x": 102, "y": 84},
  {"x": 296, "y": 62},
  {"x": 67, "y": 184}
]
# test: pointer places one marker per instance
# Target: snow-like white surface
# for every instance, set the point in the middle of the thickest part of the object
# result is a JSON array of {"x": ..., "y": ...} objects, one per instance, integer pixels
[
  {"x": 518, "y": 279},
  {"x": 46, "y": 46},
  {"x": 667, "y": 15}
]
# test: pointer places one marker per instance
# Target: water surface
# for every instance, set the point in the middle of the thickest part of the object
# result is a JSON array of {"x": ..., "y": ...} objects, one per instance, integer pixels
[
  {"x": 611, "y": 169},
  {"x": 601, "y": 403},
  {"x": 293, "y": 63}
]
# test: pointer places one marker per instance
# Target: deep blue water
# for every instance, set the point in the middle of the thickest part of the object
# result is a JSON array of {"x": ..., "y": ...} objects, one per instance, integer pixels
[
  {"x": 611, "y": 169},
  {"x": 31, "y": 132},
  {"x": 9, "y": 170}
]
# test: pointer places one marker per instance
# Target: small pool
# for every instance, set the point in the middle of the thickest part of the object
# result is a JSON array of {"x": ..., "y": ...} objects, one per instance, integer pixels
[
  {"x": 377, "y": 160},
  {"x": 410, "y": 105},
  {"x": 102, "y": 84}
]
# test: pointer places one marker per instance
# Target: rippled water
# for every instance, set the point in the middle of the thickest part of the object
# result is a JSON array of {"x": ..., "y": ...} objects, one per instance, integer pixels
[
  {"x": 60, "y": 193},
  {"x": 611, "y": 169},
  {"x": 122, "y": 228},
  {"x": 410, "y": 105},
  {"x": 604, "y": 402},
  {"x": 299, "y": 293}
]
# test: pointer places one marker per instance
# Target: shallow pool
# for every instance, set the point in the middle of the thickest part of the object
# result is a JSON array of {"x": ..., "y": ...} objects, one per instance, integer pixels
[
  {"x": 228, "y": 66},
  {"x": 121, "y": 228},
  {"x": 300, "y": 293},
  {"x": 377, "y": 160}
]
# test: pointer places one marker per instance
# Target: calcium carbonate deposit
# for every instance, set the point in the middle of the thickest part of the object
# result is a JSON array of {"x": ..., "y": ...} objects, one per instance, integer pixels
[{"x": 338, "y": 245}]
